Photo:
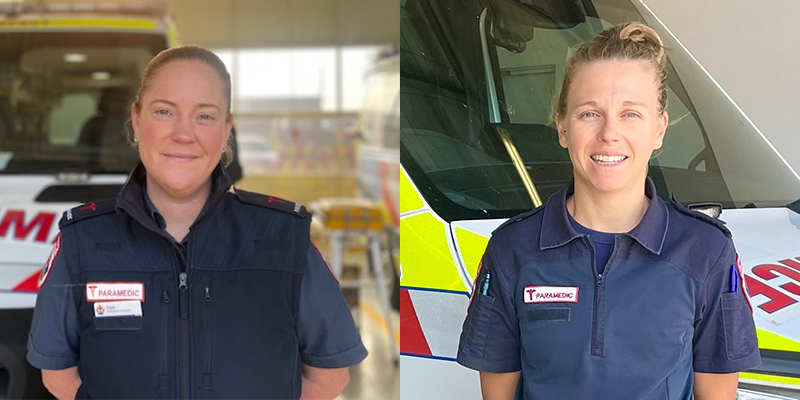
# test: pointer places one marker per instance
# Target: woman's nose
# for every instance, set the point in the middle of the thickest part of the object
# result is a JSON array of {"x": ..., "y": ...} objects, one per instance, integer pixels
[
  {"x": 183, "y": 130},
  {"x": 609, "y": 132}
]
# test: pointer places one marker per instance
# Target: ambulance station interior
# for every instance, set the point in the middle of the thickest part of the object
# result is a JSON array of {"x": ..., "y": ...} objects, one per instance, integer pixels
[{"x": 315, "y": 95}]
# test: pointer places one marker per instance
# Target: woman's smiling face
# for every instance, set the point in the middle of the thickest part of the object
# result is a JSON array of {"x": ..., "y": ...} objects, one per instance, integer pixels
[
  {"x": 612, "y": 125},
  {"x": 183, "y": 126}
]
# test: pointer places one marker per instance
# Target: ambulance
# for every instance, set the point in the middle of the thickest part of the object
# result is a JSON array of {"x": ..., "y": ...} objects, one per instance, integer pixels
[
  {"x": 68, "y": 74},
  {"x": 477, "y": 81}
]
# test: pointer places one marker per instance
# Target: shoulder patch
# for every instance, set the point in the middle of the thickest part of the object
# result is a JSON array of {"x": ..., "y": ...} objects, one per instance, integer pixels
[
  {"x": 519, "y": 217},
  {"x": 86, "y": 211},
  {"x": 696, "y": 214},
  {"x": 48, "y": 265},
  {"x": 272, "y": 202}
]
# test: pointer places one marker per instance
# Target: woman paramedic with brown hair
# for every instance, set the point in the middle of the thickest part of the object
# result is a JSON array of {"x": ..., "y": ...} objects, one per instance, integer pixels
[
  {"x": 606, "y": 292},
  {"x": 180, "y": 288}
]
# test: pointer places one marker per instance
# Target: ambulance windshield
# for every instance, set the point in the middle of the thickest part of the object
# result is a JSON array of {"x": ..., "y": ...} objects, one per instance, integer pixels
[
  {"x": 65, "y": 98},
  {"x": 469, "y": 72}
]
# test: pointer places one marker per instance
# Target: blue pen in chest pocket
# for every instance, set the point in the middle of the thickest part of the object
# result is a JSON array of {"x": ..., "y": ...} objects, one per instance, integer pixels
[{"x": 487, "y": 276}]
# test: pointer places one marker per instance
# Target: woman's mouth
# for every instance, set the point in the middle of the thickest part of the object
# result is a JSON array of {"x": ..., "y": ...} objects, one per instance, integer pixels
[
  {"x": 608, "y": 160},
  {"x": 180, "y": 157}
]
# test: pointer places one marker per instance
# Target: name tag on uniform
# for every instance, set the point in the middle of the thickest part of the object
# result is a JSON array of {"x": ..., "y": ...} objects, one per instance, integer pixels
[
  {"x": 114, "y": 291},
  {"x": 550, "y": 294},
  {"x": 127, "y": 308}
]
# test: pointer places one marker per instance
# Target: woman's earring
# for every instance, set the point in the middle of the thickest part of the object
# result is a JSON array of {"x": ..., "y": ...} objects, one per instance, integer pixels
[{"x": 135, "y": 139}]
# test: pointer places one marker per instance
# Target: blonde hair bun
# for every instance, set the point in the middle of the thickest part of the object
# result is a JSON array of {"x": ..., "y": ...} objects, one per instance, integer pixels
[{"x": 644, "y": 34}]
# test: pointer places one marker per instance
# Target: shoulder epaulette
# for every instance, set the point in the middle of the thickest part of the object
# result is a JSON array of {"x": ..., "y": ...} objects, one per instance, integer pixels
[
  {"x": 703, "y": 217},
  {"x": 519, "y": 217},
  {"x": 86, "y": 211},
  {"x": 272, "y": 202}
]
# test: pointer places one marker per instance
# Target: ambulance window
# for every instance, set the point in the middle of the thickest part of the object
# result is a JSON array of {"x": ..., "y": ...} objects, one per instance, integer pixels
[
  {"x": 65, "y": 98},
  {"x": 528, "y": 91},
  {"x": 67, "y": 120},
  {"x": 685, "y": 139}
]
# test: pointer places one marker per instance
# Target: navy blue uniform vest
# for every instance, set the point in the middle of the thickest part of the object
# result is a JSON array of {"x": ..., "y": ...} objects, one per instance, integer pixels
[{"x": 218, "y": 323}]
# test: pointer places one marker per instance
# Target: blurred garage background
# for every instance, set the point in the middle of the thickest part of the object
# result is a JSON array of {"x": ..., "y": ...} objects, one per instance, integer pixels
[{"x": 316, "y": 106}]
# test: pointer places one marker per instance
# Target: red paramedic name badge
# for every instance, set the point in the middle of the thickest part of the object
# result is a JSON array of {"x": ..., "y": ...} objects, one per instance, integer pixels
[
  {"x": 114, "y": 291},
  {"x": 550, "y": 294}
]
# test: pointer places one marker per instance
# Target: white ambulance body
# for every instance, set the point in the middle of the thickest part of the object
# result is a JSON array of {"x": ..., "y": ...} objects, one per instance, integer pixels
[
  {"x": 67, "y": 79},
  {"x": 477, "y": 80}
]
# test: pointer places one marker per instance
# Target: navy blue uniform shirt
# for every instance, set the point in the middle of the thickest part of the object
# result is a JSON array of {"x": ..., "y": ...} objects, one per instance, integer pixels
[
  {"x": 660, "y": 311},
  {"x": 322, "y": 330}
]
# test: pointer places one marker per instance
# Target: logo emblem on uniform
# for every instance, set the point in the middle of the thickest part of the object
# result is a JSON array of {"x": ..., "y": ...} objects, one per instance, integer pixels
[
  {"x": 100, "y": 309},
  {"x": 271, "y": 199},
  {"x": 48, "y": 265},
  {"x": 550, "y": 294},
  {"x": 475, "y": 284}
]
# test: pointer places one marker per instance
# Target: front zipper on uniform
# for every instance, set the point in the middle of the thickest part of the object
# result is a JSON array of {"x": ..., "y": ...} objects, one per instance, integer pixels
[
  {"x": 206, "y": 379},
  {"x": 598, "y": 312},
  {"x": 183, "y": 313},
  {"x": 597, "y": 308}
]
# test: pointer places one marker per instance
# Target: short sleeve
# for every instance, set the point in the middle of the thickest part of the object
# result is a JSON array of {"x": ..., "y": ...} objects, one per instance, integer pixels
[
  {"x": 53, "y": 341},
  {"x": 725, "y": 333},
  {"x": 490, "y": 335},
  {"x": 327, "y": 332}
]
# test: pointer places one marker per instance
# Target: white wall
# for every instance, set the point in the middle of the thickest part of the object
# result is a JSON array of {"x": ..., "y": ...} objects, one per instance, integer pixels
[{"x": 752, "y": 48}]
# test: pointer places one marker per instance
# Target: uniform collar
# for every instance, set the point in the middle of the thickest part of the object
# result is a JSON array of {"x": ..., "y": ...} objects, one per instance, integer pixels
[
  {"x": 556, "y": 230},
  {"x": 131, "y": 196}
]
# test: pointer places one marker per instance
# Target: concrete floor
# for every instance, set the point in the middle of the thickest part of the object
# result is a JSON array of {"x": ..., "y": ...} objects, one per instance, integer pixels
[{"x": 378, "y": 376}]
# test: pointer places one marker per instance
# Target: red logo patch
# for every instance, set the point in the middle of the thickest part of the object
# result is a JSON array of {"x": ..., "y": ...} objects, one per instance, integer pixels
[
  {"x": 48, "y": 265},
  {"x": 475, "y": 283}
]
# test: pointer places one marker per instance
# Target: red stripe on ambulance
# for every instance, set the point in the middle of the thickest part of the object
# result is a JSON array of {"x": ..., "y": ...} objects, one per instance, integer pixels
[{"x": 412, "y": 339}]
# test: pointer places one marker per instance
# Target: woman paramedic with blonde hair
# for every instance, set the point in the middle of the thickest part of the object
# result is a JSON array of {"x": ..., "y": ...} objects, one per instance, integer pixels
[
  {"x": 606, "y": 292},
  {"x": 180, "y": 287}
]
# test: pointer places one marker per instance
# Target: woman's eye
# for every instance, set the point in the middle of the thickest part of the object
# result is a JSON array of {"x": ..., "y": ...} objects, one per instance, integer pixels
[
  {"x": 206, "y": 117},
  {"x": 632, "y": 115},
  {"x": 589, "y": 114},
  {"x": 162, "y": 112}
]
